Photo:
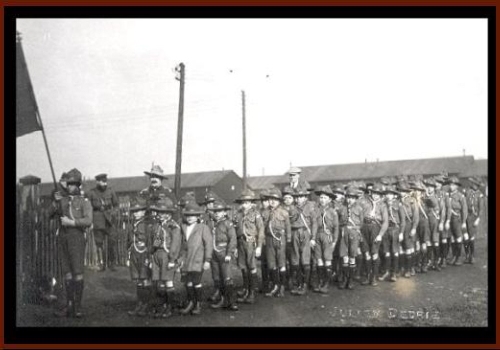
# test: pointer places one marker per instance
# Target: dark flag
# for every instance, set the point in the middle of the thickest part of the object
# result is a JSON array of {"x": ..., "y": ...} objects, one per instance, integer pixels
[{"x": 26, "y": 107}]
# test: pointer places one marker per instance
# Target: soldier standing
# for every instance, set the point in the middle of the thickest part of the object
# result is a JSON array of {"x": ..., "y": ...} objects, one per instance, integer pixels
[
  {"x": 392, "y": 240},
  {"x": 196, "y": 256},
  {"x": 456, "y": 218},
  {"x": 166, "y": 246},
  {"x": 76, "y": 216},
  {"x": 278, "y": 235},
  {"x": 327, "y": 236},
  {"x": 104, "y": 201},
  {"x": 410, "y": 209},
  {"x": 250, "y": 236},
  {"x": 224, "y": 242},
  {"x": 139, "y": 256},
  {"x": 374, "y": 228},
  {"x": 475, "y": 207}
]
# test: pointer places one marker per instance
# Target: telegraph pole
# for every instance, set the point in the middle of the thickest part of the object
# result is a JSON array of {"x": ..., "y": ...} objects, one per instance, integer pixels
[
  {"x": 178, "y": 157},
  {"x": 244, "y": 141}
]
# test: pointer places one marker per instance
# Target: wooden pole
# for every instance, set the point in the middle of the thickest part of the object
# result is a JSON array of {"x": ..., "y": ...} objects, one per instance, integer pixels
[
  {"x": 243, "y": 108},
  {"x": 180, "y": 122}
]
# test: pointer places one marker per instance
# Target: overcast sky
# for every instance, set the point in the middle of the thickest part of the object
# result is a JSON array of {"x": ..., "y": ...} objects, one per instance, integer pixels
[{"x": 319, "y": 91}]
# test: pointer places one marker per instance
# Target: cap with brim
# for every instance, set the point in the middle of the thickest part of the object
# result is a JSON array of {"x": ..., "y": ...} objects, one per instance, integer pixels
[
  {"x": 294, "y": 170},
  {"x": 192, "y": 209},
  {"x": 324, "y": 190},
  {"x": 101, "y": 177},
  {"x": 156, "y": 171}
]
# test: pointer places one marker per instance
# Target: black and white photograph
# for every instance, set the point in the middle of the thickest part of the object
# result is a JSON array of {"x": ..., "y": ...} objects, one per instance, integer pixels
[{"x": 251, "y": 172}]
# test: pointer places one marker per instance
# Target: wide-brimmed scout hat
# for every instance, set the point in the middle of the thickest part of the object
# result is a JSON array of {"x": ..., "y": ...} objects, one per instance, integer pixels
[
  {"x": 192, "y": 208},
  {"x": 417, "y": 185},
  {"x": 137, "y": 204},
  {"x": 301, "y": 192},
  {"x": 378, "y": 188},
  {"x": 274, "y": 193},
  {"x": 156, "y": 171},
  {"x": 263, "y": 194},
  {"x": 210, "y": 197},
  {"x": 352, "y": 191},
  {"x": 74, "y": 176},
  {"x": 163, "y": 205},
  {"x": 287, "y": 190},
  {"x": 430, "y": 182},
  {"x": 391, "y": 189},
  {"x": 185, "y": 199},
  {"x": 246, "y": 195},
  {"x": 403, "y": 186},
  {"x": 338, "y": 189},
  {"x": 220, "y": 205},
  {"x": 475, "y": 180},
  {"x": 324, "y": 190},
  {"x": 454, "y": 180}
]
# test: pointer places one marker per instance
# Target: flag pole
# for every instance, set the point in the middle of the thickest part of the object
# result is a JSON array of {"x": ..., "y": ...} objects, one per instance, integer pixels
[{"x": 38, "y": 116}]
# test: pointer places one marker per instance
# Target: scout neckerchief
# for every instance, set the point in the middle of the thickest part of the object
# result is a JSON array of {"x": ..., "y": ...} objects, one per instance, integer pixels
[
  {"x": 419, "y": 203},
  {"x": 451, "y": 199},
  {"x": 142, "y": 243},
  {"x": 303, "y": 218},
  {"x": 404, "y": 207},
  {"x": 327, "y": 231},
  {"x": 271, "y": 217},
  {"x": 372, "y": 212},
  {"x": 248, "y": 237},
  {"x": 473, "y": 202},
  {"x": 213, "y": 234},
  {"x": 161, "y": 233},
  {"x": 393, "y": 219},
  {"x": 349, "y": 218}
]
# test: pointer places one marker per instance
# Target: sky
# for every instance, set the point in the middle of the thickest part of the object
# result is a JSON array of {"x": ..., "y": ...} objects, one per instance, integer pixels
[{"x": 318, "y": 91}]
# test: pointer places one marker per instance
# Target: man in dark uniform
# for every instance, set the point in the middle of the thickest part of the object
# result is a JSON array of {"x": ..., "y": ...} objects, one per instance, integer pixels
[
  {"x": 456, "y": 217},
  {"x": 76, "y": 216},
  {"x": 475, "y": 206},
  {"x": 250, "y": 235},
  {"x": 224, "y": 240},
  {"x": 104, "y": 201}
]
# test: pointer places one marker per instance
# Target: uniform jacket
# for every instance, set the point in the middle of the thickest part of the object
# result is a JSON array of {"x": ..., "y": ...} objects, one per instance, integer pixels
[
  {"x": 433, "y": 207},
  {"x": 223, "y": 237},
  {"x": 78, "y": 209},
  {"x": 167, "y": 235},
  {"x": 355, "y": 214},
  {"x": 410, "y": 209},
  {"x": 278, "y": 223},
  {"x": 328, "y": 221},
  {"x": 138, "y": 237},
  {"x": 197, "y": 249},
  {"x": 475, "y": 202},
  {"x": 153, "y": 195},
  {"x": 457, "y": 206},
  {"x": 306, "y": 216},
  {"x": 377, "y": 211},
  {"x": 103, "y": 203},
  {"x": 341, "y": 209},
  {"x": 396, "y": 214},
  {"x": 250, "y": 224}
]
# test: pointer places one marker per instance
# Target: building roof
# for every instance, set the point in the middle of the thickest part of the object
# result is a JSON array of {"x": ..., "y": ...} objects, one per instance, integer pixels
[
  {"x": 479, "y": 168},
  {"x": 136, "y": 183},
  {"x": 343, "y": 172},
  {"x": 262, "y": 182}
]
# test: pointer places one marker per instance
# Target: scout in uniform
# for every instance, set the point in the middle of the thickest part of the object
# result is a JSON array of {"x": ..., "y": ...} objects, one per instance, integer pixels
[
  {"x": 166, "y": 246},
  {"x": 350, "y": 220},
  {"x": 250, "y": 236},
  {"x": 423, "y": 231},
  {"x": 104, "y": 201},
  {"x": 224, "y": 243},
  {"x": 435, "y": 210},
  {"x": 278, "y": 234},
  {"x": 411, "y": 212},
  {"x": 197, "y": 249},
  {"x": 263, "y": 256},
  {"x": 327, "y": 236},
  {"x": 304, "y": 225},
  {"x": 208, "y": 204},
  {"x": 374, "y": 228},
  {"x": 456, "y": 218},
  {"x": 139, "y": 256},
  {"x": 442, "y": 194},
  {"x": 394, "y": 236},
  {"x": 289, "y": 205},
  {"x": 296, "y": 183},
  {"x": 75, "y": 215},
  {"x": 475, "y": 207},
  {"x": 156, "y": 191}
]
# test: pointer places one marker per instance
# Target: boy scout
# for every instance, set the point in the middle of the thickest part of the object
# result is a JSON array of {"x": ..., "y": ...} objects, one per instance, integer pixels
[
  {"x": 165, "y": 252},
  {"x": 75, "y": 215},
  {"x": 423, "y": 236},
  {"x": 197, "y": 249},
  {"x": 456, "y": 218},
  {"x": 138, "y": 256},
  {"x": 104, "y": 201},
  {"x": 263, "y": 256},
  {"x": 392, "y": 240},
  {"x": 304, "y": 225},
  {"x": 442, "y": 194},
  {"x": 250, "y": 237},
  {"x": 410, "y": 209},
  {"x": 289, "y": 205},
  {"x": 350, "y": 235},
  {"x": 374, "y": 228},
  {"x": 475, "y": 207},
  {"x": 435, "y": 211},
  {"x": 327, "y": 236},
  {"x": 278, "y": 234},
  {"x": 224, "y": 242}
]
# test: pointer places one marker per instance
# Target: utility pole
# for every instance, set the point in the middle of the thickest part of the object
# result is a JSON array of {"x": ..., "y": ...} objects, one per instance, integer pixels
[
  {"x": 244, "y": 141},
  {"x": 178, "y": 156}
]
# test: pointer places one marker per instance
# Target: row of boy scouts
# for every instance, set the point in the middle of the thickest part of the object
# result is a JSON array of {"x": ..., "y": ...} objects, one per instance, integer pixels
[{"x": 364, "y": 232}]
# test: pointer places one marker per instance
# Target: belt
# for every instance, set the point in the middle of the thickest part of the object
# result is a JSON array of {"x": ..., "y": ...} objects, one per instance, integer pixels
[{"x": 298, "y": 228}]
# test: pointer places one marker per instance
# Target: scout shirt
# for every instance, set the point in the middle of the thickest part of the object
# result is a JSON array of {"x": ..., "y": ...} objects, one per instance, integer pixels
[
  {"x": 250, "y": 226},
  {"x": 457, "y": 206}
]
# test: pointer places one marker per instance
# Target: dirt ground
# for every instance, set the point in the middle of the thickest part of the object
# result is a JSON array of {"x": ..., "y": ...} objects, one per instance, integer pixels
[{"x": 454, "y": 297}]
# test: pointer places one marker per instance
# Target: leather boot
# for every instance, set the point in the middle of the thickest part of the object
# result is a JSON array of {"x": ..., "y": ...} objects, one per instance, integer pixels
[
  {"x": 275, "y": 289},
  {"x": 376, "y": 265},
  {"x": 472, "y": 248},
  {"x": 78, "y": 285},
  {"x": 295, "y": 283},
  {"x": 281, "y": 292},
  {"x": 350, "y": 272},
  {"x": 242, "y": 293},
  {"x": 68, "y": 310},
  {"x": 457, "y": 261},
  {"x": 250, "y": 298},
  {"x": 190, "y": 305},
  {"x": 424, "y": 261},
  {"x": 220, "y": 304},
  {"x": 198, "y": 293},
  {"x": 217, "y": 293},
  {"x": 229, "y": 293}
]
